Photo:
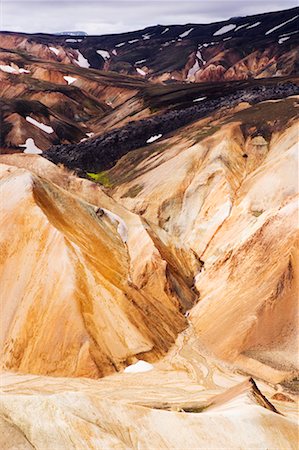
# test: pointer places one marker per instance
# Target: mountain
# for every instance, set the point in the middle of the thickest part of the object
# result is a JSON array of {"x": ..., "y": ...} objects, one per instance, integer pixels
[
  {"x": 256, "y": 46},
  {"x": 149, "y": 238},
  {"x": 71, "y": 33}
]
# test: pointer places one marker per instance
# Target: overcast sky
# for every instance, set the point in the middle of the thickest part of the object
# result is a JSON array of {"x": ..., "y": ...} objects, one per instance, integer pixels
[{"x": 116, "y": 16}]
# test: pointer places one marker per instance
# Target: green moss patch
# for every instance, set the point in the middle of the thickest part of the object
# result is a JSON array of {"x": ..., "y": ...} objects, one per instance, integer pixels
[{"x": 101, "y": 177}]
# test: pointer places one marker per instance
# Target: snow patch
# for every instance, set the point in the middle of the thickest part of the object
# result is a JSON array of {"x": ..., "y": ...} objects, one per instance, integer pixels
[
  {"x": 40, "y": 125},
  {"x": 241, "y": 26},
  {"x": 54, "y": 50},
  {"x": 120, "y": 44},
  {"x": 165, "y": 31},
  {"x": 207, "y": 44},
  {"x": 290, "y": 33},
  {"x": 225, "y": 29},
  {"x": 140, "y": 71},
  {"x": 281, "y": 25},
  {"x": 73, "y": 40},
  {"x": 193, "y": 69},
  {"x": 104, "y": 54},
  {"x": 199, "y": 56},
  {"x": 140, "y": 61},
  {"x": 253, "y": 25},
  {"x": 69, "y": 79},
  {"x": 133, "y": 40},
  {"x": 21, "y": 70},
  {"x": 153, "y": 138},
  {"x": 283, "y": 39},
  {"x": 140, "y": 366},
  {"x": 114, "y": 52},
  {"x": 8, "y": 69},
  {"x": 89, "y": 135},
  {"x": 121, "y": 228},
  {"x": 199, "y": 99},
  {"x": 81, "y": 61},
  {"x": 30, "y": 147},
  {"x": 146, "y": 36},
  {"x": 186, "y": 33},
  {"x": 196, "y": 66}
]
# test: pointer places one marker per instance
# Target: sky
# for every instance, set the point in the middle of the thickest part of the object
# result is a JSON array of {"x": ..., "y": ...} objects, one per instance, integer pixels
[{"x": 116, "y": 16}]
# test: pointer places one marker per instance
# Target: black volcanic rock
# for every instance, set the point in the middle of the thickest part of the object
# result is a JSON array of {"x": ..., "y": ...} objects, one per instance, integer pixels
[{"x": 102, "y": 153}]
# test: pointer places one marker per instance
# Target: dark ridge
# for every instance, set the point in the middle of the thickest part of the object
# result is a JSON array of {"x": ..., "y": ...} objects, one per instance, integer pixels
[{"x": 103, "y": 152}]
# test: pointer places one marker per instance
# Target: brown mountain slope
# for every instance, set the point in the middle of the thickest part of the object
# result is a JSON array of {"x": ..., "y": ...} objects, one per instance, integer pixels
[
  {"x": 210, "y": 193},
  {"x": 229, "y": 192},
  {"x": 85, "y": 303},
  {"x": 108, "y": 284}
]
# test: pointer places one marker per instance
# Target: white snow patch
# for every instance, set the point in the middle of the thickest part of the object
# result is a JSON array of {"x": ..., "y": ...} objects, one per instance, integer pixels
[
  {"x": 8, "y": 69},
  {"x": 81, "y": 61},
  {"x": 146, "y": 36},
  {"x": 133, "y": 40},
  {"x": 227, "y": 39},
  {"x": 30, "y": 147},
  {"x": 104, "y": 54},
  {"x": 40, "y": 125},
  {"x": 165, "y": 31},
  {"x": 241, "y": 26},
  {"x": 121, "y": 228},
  {"x": 196, "y": 67},
  {"x": 186, "y": 33},
  {"x": 207, "y": 44},
  {"x": 153, "y": 138},
  {"x": 290, "y": 33},
  {"x": 89, "y": 135},
  {"x": 73, "y": 40},
  {"x": 69, "y": 79},
  {"x": 225, "y": 29},
  {"x": 140, "y": 366},
  {"x": 283, "y": 39},
  {"x": 281, "y": 25},
  {"x": 120, "y": 44},
  {"x": 199, "y": 99},
  {"x": 199, "y": 56},
  {"x": 193, "y": 69},
  {"x": 114, "y": 52},
  {"x": 54, "y": 50},
  {"x": 253, "y": 25},
  {"x": 140, "y": 71},
  {"x": 140, "y": 61}
]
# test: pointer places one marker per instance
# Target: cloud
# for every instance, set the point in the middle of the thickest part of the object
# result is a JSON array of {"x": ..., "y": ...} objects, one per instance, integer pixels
[{"x": 115, "y": 16}]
